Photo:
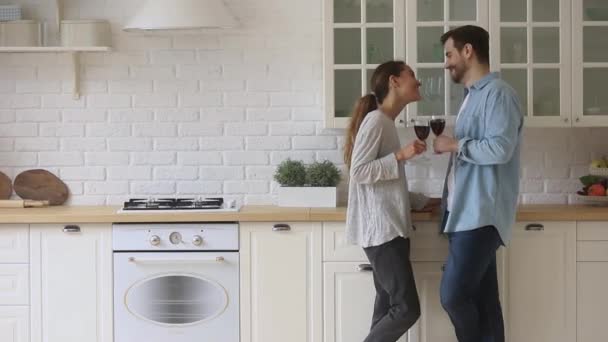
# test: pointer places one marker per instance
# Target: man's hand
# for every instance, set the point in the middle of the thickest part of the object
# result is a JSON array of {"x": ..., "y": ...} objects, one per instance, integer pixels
[
  {"x": 445, "y": 144},
  {"x": 411, "y": 150}
]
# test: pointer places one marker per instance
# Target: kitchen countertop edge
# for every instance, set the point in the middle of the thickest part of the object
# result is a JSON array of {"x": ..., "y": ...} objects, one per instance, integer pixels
[{"x": 108, "y": 214}]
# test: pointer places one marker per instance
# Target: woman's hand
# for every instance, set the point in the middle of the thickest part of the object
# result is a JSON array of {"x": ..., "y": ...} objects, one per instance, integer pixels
[{"x": 411, "y": 150}]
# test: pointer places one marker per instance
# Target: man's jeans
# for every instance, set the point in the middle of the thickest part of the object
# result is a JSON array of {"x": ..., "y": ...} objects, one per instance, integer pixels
[
  {"x": 397, "y": 307},
  {"x": 469, "y": 287}
]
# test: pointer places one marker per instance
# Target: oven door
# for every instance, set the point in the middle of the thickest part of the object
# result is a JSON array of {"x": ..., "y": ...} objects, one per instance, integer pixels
[{"x": 176, "y": 296}]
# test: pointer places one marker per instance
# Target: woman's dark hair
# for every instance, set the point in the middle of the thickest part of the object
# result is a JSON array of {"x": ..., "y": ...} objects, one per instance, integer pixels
[
  {"x": 470, "y": 34},
  {"x": 380, "y": 88}
]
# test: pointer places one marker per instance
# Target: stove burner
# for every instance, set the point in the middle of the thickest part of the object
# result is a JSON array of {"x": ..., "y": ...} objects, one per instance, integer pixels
[{"x": 173, "y": 203}]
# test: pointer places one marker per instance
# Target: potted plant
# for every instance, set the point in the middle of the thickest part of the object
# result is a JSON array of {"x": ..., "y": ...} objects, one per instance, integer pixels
[{"x": 307, "y": 186}]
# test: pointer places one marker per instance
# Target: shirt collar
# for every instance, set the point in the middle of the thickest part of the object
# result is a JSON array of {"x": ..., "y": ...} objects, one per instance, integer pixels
[{"x": 484, "y": 80}]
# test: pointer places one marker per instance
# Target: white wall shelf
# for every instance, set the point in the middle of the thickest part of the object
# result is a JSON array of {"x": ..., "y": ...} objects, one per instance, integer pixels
[
  {"x": 73, "y": 50},
  {"x": 55, "y": 49}
]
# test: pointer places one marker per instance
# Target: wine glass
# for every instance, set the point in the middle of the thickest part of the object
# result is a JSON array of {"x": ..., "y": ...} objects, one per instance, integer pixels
[
  {"x": 437, "y": 124},
  {"x": 422, "y": 130}
]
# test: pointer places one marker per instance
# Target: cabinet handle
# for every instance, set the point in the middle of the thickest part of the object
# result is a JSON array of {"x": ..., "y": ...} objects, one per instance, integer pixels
[
  {"x": 442, "y": 267},
  {"x": 414, "y": 227},
  {"x": 535, "y": 227},
  {"x": 281, "y": 227},
  {"x": 71, "y": 229},
  {"x": 364, "y": 268}
]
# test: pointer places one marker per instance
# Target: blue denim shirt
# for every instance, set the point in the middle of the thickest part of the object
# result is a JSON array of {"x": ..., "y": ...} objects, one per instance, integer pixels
[{"x": 486, "y": 180}]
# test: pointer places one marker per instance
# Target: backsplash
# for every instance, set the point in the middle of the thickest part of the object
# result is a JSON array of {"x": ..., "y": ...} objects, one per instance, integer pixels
[{"x": 213, "y": 113}]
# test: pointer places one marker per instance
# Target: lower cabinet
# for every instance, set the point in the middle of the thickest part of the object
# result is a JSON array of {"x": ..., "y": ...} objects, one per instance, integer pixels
[
  {"x": 71, "y": 283},
  {"x": 14, "y": 283},
  {"x": 541, "y": 282},
  {"x": 592, "y": 282},
  {"x": 281, "y": 282},
  {"x": 14, "y": 324},
  {"x": 349, "y": 301}
]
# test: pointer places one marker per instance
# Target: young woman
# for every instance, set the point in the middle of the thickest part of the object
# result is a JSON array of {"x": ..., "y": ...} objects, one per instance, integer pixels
[{"x": 379, "y": 203}]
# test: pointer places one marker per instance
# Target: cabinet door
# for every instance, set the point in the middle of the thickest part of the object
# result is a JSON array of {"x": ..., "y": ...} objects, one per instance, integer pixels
[
  {"x": 434, "y": 324},
  {"x": 358, "y": 36},
  {"x": 426, "y": 21},
  {"x": 14, "y": 324},
  {"x": 281, "y": 282},
  {"x": 71, "y": 283},
  {"x": 592, "y": 301},
  {"x": 541, "y": 273},
  {"x": 530, "y": 46},
  {"x": 349, "y": 295},
  {"x": 590, "y": 62}
]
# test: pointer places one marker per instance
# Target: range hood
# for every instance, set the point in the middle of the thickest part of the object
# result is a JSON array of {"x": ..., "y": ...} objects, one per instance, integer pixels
[{"x": 181, "y": 15}]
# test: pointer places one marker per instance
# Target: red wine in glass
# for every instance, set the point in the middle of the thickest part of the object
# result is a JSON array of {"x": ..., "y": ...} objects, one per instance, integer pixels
[
  {"x": 437, "y": 125},
  {"x": 422, "y": 132}
]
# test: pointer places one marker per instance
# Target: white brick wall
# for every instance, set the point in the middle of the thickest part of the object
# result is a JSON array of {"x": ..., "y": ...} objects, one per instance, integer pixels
[{"x": 210, "y": 113}]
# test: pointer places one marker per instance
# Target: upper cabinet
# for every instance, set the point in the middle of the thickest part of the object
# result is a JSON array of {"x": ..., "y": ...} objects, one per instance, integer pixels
[
  {"x": 530, "y": 46},
  {"x": 358, "y": 36},
  {"x": 426, "y": 21},
  {"x": 590, "y": 62},
  {"x": 551, "y": 51}
]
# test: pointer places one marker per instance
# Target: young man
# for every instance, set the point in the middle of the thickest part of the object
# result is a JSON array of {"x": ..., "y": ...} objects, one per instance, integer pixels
[{"x": 481, "y": 186}]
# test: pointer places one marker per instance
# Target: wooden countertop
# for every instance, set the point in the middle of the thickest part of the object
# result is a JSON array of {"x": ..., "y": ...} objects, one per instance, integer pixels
[{"x": 108, "y": 214}]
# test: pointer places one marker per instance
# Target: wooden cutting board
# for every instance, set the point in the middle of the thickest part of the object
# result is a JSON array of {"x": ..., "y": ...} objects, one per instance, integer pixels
[
  {"x": 41, "y": 185},
  {"x": 6, "y": 187}
]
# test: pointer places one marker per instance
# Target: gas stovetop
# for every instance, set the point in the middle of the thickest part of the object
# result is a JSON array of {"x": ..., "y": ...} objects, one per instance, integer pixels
[{"x": 147, "y": 205}]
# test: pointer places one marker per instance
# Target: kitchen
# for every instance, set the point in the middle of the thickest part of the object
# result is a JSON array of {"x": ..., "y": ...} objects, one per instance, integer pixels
[{"x": 212, "y": 113}]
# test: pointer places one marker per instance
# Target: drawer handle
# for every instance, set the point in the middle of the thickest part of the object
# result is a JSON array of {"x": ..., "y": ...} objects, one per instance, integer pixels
[
  {"x": 281, "y": 227},
  {"x": 442, "y": 267},
  {"x": 536, "y": 227},
  {"x": 71, "y": 229},
  {"x": 364, "y": 268},
  {"x": 414, "y": 227}
]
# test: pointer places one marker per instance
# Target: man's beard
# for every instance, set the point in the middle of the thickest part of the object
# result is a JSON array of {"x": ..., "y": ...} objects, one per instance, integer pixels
[{"x": 457, "y": 74}]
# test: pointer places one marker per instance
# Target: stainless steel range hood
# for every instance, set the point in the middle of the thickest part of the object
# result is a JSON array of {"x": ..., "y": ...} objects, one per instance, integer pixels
[{"x": 181, "y": 15}]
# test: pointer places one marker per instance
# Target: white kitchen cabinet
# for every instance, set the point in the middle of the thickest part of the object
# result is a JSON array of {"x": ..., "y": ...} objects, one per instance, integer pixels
[
  {"x": 349, "y": 295},
  {"x": 590, "y": 62},
  {"x": 541, "y": 282},
  {"x": 592, "y": 281},
  {"x": 530, "y": 46},
  {"x": 281, "y": 282},
  {"x": 426, "y": 21},
  {"x": 434, "y": 324},
  {"x": 14, "y": 324},
  {"x": 71, "y": 283},
  {"x": 357, "y": 37}
]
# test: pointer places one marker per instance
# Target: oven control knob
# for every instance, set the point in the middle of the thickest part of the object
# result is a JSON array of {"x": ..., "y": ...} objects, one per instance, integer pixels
[
  {"x": 175, "y": 238},
  {"x": 197, "y": 240},
  {"x": 154, "y": 240}
]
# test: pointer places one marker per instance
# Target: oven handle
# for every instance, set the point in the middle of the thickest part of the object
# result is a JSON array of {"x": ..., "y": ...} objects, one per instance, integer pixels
[{"x": 145, "y": 261}]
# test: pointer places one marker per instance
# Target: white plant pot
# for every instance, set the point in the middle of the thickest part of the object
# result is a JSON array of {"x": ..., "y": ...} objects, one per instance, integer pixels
[{"x": 307, "y": 197}]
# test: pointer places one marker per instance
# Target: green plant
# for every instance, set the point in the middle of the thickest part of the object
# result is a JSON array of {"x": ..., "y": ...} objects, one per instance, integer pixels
[
  {"x": 322, "y": 174},
  {"x": 290, "y": 173}
]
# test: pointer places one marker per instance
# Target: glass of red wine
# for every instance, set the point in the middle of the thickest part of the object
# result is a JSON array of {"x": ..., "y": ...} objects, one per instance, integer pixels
[
  {"x": 422, "y": 130},
  {"x": 437, "y": 124}
]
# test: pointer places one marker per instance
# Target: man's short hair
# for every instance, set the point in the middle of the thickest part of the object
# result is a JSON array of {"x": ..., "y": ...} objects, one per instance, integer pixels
[{"x": 470, "y": 34}]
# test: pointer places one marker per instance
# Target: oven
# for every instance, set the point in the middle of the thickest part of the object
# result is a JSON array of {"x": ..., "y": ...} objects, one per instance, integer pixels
[{"x": 176, "y": 282}]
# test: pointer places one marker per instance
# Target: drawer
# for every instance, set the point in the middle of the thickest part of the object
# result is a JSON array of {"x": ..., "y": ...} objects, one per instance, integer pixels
[
  {"x": 335, "y": 247},
  {"x": 14, "y": 243},
  {"x": 426, "y": 244},
  {"x": 586, "y": 231},
  {"x": 592, "y": 251},
  {"x": 14, "y": 284}
]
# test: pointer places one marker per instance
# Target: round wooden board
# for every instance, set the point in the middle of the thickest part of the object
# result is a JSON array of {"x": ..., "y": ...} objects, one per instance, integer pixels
[
  {"x": 41, "y": 185},
  {"x": 6, "y": 186}
]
